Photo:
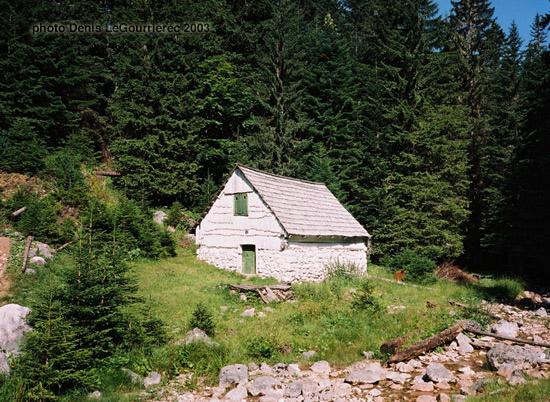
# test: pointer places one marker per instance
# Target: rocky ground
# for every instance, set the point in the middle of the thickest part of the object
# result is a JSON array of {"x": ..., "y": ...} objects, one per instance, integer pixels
[{"x": 463, "y": 367}]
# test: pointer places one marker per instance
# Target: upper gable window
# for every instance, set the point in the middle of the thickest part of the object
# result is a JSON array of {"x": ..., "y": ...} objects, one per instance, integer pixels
[{"x": 240, "y": 201}]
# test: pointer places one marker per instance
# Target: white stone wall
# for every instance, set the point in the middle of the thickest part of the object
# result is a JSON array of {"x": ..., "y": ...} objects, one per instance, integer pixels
[{"x": 221, "y": 234}]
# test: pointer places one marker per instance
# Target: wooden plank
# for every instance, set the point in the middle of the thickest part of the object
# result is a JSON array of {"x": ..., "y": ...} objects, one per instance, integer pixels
[
  {"x": 15, "y": 214},
  {"x": 26, "y": 253},
  {"x": 506, "y": 338},
  {"x": 253, "y": 288}
]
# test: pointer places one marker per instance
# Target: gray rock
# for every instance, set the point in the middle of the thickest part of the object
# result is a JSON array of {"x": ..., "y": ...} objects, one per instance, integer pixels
[
  {"x": 293, "y": 389},
  {"x": 243, "y": 297},
  {"x": 266, "y": 369},
  {"x": 541, "y": 312},
  {"x": 159, "y": 217},
  {"x": 309, "y": 354},
  {"x": 272, "y": 396},
  {"x": 404, "y": 367},
  {"x": 248, "y": 313},
  {"x": 506, "y": 369},
  {"x": 464, "y": 346},
  {"x": 238, "y": 394},
  {"x": 423, "y": 386},
  {"x": 198, "y": 335},
  {"x": 268, "y": 310},
  {"x": 261, "y": 385},
  {"x": 293, "y": 369},
  {"x": 153, "y": 378},
  {"x": 233, "y": 374},
  {"x": 458, "y": 398},
  {"x": 252, "y": 367},
  {"x": 135, "y": 378},
  {"x": 45, "y": 251},
  {"x": 443, "y": 398},
  {"x": 437, "y": 372},
  {"x": 4, "y": 364},
  {"x": 518, "y": 356},
  {"x": 224, "y": 308},
  {"x": 480, "y": 385},
  {"x": 516, "y": 378},
  {"x": 426, "y": 398},
  {"x": 370, "y": 375},
  {"x": 261, "y": 314},
  {"x": 30, "y": 271},
  {"x": 368, "y": 355},
  {"x": 505, "y": 328},
  {"x": 94, "y": 395},
  {"x": 321, "y": 367},
  {"x": 13, "y": 327},
  {"x": 398, "y": 378},
  {"x": 37, "y": 261}
]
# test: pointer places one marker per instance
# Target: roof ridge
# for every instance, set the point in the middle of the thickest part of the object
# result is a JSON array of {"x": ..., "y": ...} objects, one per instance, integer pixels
[{"x": 280, "y": 176}]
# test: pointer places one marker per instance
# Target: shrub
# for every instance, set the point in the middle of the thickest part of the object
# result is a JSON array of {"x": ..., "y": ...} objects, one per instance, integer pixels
[
  {"x": 365, "y": 300},
  {"x": 202, "y": 318},
  {"x": 261, "y": 348},
  {"x": 337, "y": 269},
  {"x": 419, "y": 269}
]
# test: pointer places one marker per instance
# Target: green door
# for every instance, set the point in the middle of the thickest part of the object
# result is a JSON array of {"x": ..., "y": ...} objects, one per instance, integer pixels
[{"x": 249, "y": 259}]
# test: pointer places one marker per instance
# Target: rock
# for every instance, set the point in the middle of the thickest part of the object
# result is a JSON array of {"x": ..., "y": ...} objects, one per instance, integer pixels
[
  {"x": 198, "y": 335},
  {"x": 261, "y": 314},
  {"x": 519, "y": 356},
  {"x": 135, "y": 378},
  {"x": 171, "y": 229},
  {"x": 404, "y": 367},
  {"x": 224, "y": 308},
  {"x": 4, "y": 364},
  {"x": 458, "y": 398},
  {"x": 398, "y": 378},
  {"x": 293, "y": 369},
  {"x": 368, "y": 355},
  {"x": 37, "y": 261},
  {"x": 480, "y": 385},
  {"x": 268, "y": 310},
  {"x": 443, "y": 398},
  {"x": 272, "y": 396},
  {"x": 30, "y": 271},
  {"x": 94, "y": 395},
  {"x": 159, "y": 217},
  {"x": 261, "y": 385},
  {"x": 252, "y": 367},
  {"x": 464, "y": 346},
  {"x": 426, "y": 398},
  {"x": 370, "y": 375},
  {"x": 293, "y": 389},
  {"x": 309, "y": 354},
  {"x": 442, "y": 385},
  {"x": 248, "y": 313},
  {"x": 13, "y": 327},
  {"x": 423, "y": 386},
  {"x": 536, "y": 374},
  {"x": 467, "y": 370},
  {"x": 153, "y": 378},
  {"x": 437, "y": 372},
  {"x": 415, "y": 364},
  {"x": 506, "y": 369},
  {"x": 233, "y": 374},
  {"x": 541, "y": 312},
  {"x": 375, "y": 392},
  {"x": 516, "y": 378},
  {"x": 321, "y": 367},
  {"x": 243, "y": 297},
  {"x": 266, "y": 369},
  {"x": 505, "y": 328},
  {"x": 238, "y": 394}
]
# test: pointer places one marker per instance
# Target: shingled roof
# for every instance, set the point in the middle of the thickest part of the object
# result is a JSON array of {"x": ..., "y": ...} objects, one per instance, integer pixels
[{"x": 304, "y": 208}]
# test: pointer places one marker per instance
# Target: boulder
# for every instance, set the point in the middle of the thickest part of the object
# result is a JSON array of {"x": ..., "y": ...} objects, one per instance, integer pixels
[
  {"x": 41, "y": 249},
  {"x": 159, "y": 217},
  {"x": 443, "y": 398},
  {"x": 437, "y": 372},
  {"x": 464, "y": 346},
  {"x": 238, "y": 394},
  {"x": 519, "y": 356},
  {"x": 370, "y": 375},
  {"x": 153, "y": 378},
  {"x": 261, "y": 385},
  {"x": 398, "y": 378},
  {"x": 13, "y": 327},
  {"x": 248, "y": 313},
  {"x": 404, "y": 367},
  {"x": 541, "y": 312},
  {"x": 198, "y": 335},
  {"x": 233, "y": 374},
  {"x": 423, "y": 386},
  {"x": 4, "y": 364},
  {"x": 309, "y": 354},
  {"x": 505, "y": 328},
  {"x": 321, "y": 367},
  {"x": 135, "y": 378},
  {"x": 426, "y": 398},
  {"x": 266, "y": 369},
  {"x": 516, "y": 378},
  {"x": 37, "y": 261}
]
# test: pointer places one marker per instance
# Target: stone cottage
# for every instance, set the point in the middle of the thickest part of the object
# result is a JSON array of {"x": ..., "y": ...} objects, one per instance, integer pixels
[{"x": 275, "y": 226}]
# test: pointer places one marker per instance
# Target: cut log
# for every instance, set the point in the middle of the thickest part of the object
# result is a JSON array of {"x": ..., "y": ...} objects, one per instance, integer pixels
[
  {"x": 253, "y": 288},
  {"x": 107, "y": 173},
  {"x": 26, "y": 253},
  {"x": 63, "y": 246},
  {"x": 427, "y": 344},
  {"x": 506, "y": 338},
  {"x": 15, "y": 214},
  {"x": 268, "y": 293}
]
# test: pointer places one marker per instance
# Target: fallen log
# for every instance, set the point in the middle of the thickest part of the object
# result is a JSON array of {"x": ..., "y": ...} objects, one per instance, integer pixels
[
  {"x": 506, "y": 338},
  {"x": 63, "y": 246},
  {"x": 15, "y": 214},
  {"x": 425, "y": 345},
  {"x": 26, "y": 254},
  {"x": 107, "y": 173}
]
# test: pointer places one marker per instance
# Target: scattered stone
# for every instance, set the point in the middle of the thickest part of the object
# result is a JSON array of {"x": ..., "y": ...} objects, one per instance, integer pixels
[
  {"x": 373, "y": 373},
  {"x": 153, "y": 378},
  {"x": 252, "y": 367},
  {"x": 261, "y": 385},
  {"x": 293, "y": 369},
  {"x": 443, "y": 398},
  {"x": 505, "y": 328},
  {"x": 268, "y": 310},
  {"x": 30, "y": 271},
  {"x": 266, "y": 369},
  {"x": 437, "y": 372},
  {"x": 261, "y": 314},
  {"x": 224, "y": 308},
  {"x": 404, "y": 367},
  {"x": 458, "y": 398},
  {"x": 415, "y": 364},
  {"x": 37, "y": 261},
  {"x": 505, "y": 370},
  {"x": 13, "y": 327},
  {"x": 519, "y": 356},
  {"x": 309, "y": 354},
  {"x": 464, "y": 346},
  {"x": 398, "y": 378},
  {"x": 238, "y": 394},
  {"x": 423, "y": 386},
  {"x": 426, "y": 398},
  {"x": 368, "y": 355},
  {"x": 159, "y": 217},
  {"x": 467, "y": 371},
  {"x": 4, "y": 365},
  {"x": 134, "y": 377},
  {"x": 198, "y": 335},
  {"x": 321, "y": 367},
  {"x": 541, "y": 312},
  {"x": 452, "y": 312},
  {"x": 243, "y": 297},
  {"x": 442, "y": 385},
  {"x": 233, "y": 374},
  {"x": 273, "y": 395},
  {"x": 94, "y": 395},
  {"x": 479, "y": 385},
  {"x": 516, "y": 378},
  {"x": 375, "y": 392},
  {"x": 171, "y": 229},
  {"x": 536, "y": 373},
  {"x": 248, "y": 313}
]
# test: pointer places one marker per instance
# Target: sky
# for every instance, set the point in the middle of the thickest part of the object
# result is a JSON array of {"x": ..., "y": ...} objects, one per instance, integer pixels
[{"x": 506, "y": 11}]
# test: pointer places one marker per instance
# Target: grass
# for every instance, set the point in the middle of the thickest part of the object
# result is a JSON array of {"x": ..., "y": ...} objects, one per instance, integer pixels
[
  {"x": 533, "y": 392},
  {"x": 323, "y": 317}
]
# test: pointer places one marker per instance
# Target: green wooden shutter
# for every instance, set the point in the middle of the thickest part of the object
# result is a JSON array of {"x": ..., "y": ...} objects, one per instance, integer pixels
[
  {"x": 240, "y": 207},
  {"x": 249, "y": 259}
]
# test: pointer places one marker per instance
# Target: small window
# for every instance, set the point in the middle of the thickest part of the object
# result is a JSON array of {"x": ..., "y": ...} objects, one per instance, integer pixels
[{"x": 241, "y": 204}]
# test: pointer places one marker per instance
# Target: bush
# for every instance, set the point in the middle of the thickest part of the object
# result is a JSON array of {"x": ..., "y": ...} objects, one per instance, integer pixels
[
  {"x": 343, "y": 270},
  {"x": 202, "y": 318},
  {"x": 419, "y": 269},
  {"x": 365, "y": 300},
  {"x": 261, "y": 348}
]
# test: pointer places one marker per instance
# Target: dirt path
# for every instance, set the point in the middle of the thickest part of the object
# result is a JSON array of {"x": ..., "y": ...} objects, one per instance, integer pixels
[{"x": 4, "y": 257}]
